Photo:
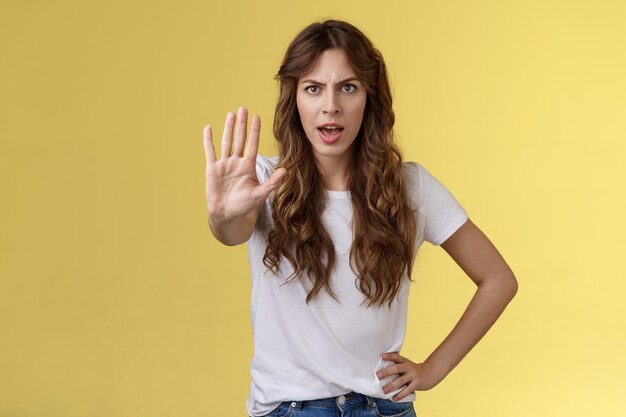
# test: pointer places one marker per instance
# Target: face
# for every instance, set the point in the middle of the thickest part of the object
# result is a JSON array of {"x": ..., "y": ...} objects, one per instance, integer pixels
[{"x": 331, "y": 102}]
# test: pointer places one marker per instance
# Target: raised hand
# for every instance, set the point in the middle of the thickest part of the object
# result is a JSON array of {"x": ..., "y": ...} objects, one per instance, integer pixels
[{"x": 232, "y": 187}]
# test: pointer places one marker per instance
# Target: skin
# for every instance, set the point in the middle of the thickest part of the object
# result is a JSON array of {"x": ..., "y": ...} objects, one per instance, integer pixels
[
  {"x": 481, "y": 261},
  {"x": 234, "y": 196},
  {"x": 331, "y": 93}
]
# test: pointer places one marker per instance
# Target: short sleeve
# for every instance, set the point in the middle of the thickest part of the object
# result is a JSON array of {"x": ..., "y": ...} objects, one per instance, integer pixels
[
  {"x": 265, "y": 167},
  {"x": 442, "y": 213}
]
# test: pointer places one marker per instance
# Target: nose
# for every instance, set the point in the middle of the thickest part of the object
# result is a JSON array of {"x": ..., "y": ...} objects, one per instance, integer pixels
[{"x": 331, "y": 106}]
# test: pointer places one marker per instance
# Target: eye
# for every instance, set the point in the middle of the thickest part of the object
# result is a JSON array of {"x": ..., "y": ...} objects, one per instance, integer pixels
[
  {"x": 349, "y": 88},
  {"x": 312, "y": 89}
]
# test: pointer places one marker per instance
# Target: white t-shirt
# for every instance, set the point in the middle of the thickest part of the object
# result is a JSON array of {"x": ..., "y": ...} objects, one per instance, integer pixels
[{"x": 325, "y": 349}]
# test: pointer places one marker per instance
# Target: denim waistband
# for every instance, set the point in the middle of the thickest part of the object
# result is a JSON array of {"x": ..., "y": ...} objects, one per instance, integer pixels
[{"x": 342, "y": 401}]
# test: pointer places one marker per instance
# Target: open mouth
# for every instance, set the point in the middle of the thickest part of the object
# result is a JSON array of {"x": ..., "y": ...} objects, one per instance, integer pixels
[
  {"x": 330, "y": 134},
  {"x": 330, "y": 131}
]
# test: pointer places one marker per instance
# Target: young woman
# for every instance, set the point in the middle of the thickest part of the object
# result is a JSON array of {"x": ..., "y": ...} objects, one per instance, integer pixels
[{"x": 333, "y": 225}]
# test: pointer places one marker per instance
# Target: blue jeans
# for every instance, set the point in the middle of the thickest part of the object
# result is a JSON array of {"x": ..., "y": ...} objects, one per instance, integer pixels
[{"x": 351, "y": 404}]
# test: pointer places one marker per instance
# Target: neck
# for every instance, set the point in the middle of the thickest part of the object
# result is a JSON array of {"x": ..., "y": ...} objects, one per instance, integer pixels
[{"x": 335, "y": 171}]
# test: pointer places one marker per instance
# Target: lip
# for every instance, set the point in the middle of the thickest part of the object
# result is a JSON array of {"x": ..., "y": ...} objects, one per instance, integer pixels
[
  {"x": 330, "y": 125},
  {"x": 329, "y": 140}
]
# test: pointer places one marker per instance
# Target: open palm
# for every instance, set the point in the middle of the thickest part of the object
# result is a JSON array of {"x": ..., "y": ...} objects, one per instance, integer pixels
[{"x": 232, "y": 186}]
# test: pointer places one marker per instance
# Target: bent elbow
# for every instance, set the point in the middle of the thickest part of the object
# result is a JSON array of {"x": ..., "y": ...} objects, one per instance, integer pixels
[{"x": 512, "y": 285}]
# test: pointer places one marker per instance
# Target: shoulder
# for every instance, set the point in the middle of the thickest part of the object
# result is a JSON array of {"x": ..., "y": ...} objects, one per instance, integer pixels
[
  {"x": 443, "y": 213},
  {"x": 421, "y": 180},
  {"x": 412, "y": 170},
  {"x": 414, "y": 180}
]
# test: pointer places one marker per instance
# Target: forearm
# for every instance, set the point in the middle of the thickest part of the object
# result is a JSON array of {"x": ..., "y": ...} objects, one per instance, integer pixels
[{"x": 487, "y": 304}]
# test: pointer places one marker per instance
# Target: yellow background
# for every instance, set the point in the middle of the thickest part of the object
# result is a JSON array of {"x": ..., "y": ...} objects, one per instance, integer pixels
[{"x": 115, "y": 299}]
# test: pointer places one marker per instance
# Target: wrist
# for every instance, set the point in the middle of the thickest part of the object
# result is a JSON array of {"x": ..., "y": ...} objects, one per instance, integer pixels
[{"x": 439, "y": 368}]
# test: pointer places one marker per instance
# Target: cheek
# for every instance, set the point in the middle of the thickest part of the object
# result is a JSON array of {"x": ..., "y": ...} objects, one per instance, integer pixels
[
  {"x": 358, "y": 111},
  {"x": 303, "y": 111}
]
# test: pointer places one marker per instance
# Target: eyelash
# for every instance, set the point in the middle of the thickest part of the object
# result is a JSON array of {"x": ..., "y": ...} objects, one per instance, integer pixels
[{"x": 353, "y": 88}]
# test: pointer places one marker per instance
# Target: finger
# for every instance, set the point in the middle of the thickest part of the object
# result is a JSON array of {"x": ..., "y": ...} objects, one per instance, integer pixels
[
  {"x": 209, "y": 150},
  {"x": 396, "y": 384},
  {"x": 406, "y": 391},
  {"x": 240, "y": 133},
  {"x": 392, "y": 356},
  {"x": 253, "y": 140},
  {"x": 390, "y": 370},
  {"x": 272, "y": 182},
  {"x": 276, "y": 176},
  {"x": 227, "y": 136}
]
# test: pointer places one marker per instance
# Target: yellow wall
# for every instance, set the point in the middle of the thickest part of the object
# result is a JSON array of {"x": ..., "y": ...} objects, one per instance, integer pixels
[{"x": 115, "y": 300}]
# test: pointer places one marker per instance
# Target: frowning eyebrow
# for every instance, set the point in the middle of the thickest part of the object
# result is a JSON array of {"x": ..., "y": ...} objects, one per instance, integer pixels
[{"x": 320, "y": 83}]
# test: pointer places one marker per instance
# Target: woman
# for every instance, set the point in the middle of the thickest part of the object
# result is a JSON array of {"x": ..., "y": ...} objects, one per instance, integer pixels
[{"x": 333, "y": 224}]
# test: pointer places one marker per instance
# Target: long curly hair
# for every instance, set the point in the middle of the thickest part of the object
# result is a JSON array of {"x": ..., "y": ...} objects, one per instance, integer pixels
[{"x": 384, "y": 224}]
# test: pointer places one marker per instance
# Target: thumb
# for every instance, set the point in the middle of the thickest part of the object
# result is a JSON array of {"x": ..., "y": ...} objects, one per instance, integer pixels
[{"x": 272, "y": 182}]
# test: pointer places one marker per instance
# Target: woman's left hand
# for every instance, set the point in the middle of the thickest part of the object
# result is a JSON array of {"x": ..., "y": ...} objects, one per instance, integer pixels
[{"x": 416, "y": 376}]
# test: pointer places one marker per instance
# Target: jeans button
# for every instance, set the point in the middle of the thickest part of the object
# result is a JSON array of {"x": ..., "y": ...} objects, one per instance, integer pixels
[
  {"x": 293, "y": 404},
  {"x": 341, "y": 400}
]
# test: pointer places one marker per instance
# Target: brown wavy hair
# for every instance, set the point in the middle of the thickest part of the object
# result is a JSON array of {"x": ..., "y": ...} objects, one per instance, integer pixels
[{"x": 384, "y": 223}]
